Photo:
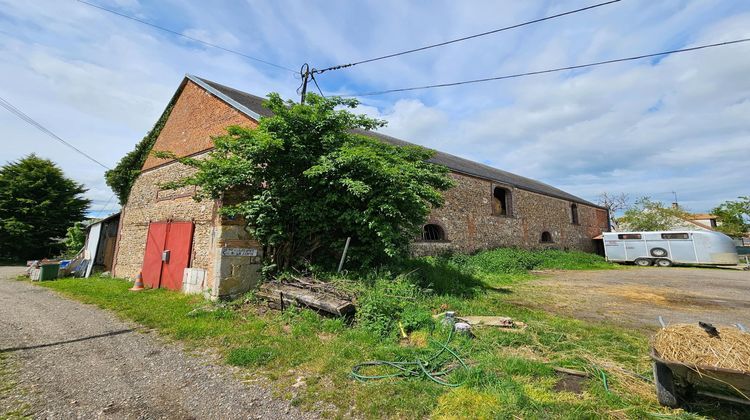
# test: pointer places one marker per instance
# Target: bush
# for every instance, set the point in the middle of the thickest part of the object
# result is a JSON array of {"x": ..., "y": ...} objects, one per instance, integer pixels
[
  {"x": 387, "y": 302},
  {"x": 514, "y": 260}
]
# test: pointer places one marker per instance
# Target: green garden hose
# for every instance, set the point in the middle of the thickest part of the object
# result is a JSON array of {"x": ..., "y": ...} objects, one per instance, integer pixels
[{"x": 417, "y": 368}]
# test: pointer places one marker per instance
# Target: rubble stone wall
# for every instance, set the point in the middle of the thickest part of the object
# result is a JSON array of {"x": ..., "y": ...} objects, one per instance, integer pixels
[
  {"x": 469, "y": 223},
  {"x": 149, "y": 203}
]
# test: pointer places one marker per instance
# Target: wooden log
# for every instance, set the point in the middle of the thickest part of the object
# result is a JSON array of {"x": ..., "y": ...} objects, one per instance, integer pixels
[
  {"x": 304, "y": 297},
  {"x": 571, "y": 371}
]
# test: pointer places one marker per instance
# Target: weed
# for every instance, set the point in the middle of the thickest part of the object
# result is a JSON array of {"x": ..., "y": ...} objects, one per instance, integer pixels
[
  {"x": 251, "y": 356},
  {"x": 510, "y": 373}
]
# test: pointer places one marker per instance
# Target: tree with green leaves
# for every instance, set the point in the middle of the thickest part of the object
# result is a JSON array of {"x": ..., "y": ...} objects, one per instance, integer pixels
[
  {"x": 122, "y": 177},
  {"x": 648, "y": 215},
  {"x": 305, "y": 179},
  {"x": 734, "y": 216},
  {"x": 37, "y": 205},
  {"x": 74, "y": 240}
]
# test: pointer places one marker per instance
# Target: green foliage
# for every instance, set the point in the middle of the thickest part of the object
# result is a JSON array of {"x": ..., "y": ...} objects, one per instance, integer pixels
[
  {"x": 304, "y": 181},
  {"x": 74, "y": 240},
  {"x": 734, "y": 216},
  {"x": 515, "y": 261},
  {"x": 123, "y": 175},
  {"x": 381, "y": 307},
  {"x": 648, "y": 215},
  {"x": 37, "y": 205}
]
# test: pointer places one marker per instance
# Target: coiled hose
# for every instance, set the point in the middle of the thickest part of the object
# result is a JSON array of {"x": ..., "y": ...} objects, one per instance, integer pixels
[{"x": 417, "y": 368}]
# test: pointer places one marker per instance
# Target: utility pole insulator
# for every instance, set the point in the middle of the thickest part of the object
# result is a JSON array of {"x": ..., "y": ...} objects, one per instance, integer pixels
[{"x": 304, "y": 73}]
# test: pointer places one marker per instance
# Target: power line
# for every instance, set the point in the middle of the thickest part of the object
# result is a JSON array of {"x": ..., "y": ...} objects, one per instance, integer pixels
[
  {"x": 440, "y": 44},
  {"x": 532, "y": 73},
  {"x": 20, "y": 114},
  {"x": 173, "y": 32}
]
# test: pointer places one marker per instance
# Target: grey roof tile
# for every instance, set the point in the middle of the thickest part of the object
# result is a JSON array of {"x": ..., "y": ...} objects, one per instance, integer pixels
[{"x": 455, "y": 163}]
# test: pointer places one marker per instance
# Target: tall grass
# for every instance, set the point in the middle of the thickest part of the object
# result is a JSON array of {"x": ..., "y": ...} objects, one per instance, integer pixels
[{"x": 309, "y": 356}]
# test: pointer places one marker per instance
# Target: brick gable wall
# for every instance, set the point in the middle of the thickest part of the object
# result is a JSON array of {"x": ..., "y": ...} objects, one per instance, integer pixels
[{"x": 196, "y": 118}]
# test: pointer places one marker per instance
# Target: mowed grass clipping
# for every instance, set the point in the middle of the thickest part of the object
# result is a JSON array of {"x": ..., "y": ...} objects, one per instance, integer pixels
[{"x": 309, "y": 356}]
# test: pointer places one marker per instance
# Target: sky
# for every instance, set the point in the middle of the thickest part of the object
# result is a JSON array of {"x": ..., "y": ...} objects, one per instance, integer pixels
[{"x": 678, "y": 123}]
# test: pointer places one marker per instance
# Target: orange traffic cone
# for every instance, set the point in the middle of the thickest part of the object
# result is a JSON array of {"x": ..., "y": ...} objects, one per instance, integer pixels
[{"x": 138, "y": 286}]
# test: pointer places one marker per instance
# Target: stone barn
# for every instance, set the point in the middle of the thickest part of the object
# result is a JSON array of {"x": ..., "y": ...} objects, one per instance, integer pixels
[{"x": 183, "y": 244}]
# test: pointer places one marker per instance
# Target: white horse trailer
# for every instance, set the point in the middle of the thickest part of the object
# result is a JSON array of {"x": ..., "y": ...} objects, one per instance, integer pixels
[{"x": 667, "y": 248}]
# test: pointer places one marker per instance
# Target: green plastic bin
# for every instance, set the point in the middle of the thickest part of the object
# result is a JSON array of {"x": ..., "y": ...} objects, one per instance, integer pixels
[{"x": 49, "y": 271}]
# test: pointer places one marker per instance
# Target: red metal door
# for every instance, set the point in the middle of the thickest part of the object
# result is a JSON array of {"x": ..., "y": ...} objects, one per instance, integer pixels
[
  {"x": 152, "y": 264},
  {"x": 179, "y": 244}
]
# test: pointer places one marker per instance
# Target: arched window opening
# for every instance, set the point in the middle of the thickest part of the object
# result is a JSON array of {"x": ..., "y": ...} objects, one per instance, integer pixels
[
  {"x": 546, "y": 237},
  {"x": 432, "y": 232},
  {"x": 501, "y": 202},
  {"x": 574, "y": 213}
]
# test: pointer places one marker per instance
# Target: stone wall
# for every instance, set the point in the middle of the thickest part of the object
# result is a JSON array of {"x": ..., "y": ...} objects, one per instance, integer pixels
[
  {"x": 469, "y": 223},
  {"x": 149, "y": 203}
]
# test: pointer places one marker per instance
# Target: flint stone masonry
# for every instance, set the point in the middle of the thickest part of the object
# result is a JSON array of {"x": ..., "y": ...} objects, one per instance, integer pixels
[{"x": 470, "y": 225}]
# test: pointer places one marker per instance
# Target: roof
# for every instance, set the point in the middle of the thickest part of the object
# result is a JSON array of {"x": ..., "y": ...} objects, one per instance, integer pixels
[{"x": 253, "y": 107}]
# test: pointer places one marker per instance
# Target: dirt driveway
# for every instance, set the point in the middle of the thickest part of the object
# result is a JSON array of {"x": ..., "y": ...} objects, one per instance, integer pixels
[
  {"x": 635, "y": 296},
  {"x": 72, "y": 360}
]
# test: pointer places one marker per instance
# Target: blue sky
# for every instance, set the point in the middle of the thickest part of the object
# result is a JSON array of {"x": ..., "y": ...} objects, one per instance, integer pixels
[{"x": 650, "y": 127}]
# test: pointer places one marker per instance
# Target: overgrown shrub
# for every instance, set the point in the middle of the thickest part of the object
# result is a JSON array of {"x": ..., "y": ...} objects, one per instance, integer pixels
[
  {"x": 514, "y": 260},
  {"x": 382, "y": 306}
]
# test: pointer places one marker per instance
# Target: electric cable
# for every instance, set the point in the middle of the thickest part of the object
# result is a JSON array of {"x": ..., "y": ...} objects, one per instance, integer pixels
[
  {"x": 173, "y": 32},
  {"x": 532, "y": 73},
  {"x": 440, "y": 44},
  {"x": 20, "y": 114}
]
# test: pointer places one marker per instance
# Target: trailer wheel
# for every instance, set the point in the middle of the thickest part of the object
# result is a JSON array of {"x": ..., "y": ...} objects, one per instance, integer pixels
[
  {"x": 643, "y": 262},
  {"x": 658, "y": 252},
  {"x": 663, "y": 262},
  {"x": 666, "y": 392}
]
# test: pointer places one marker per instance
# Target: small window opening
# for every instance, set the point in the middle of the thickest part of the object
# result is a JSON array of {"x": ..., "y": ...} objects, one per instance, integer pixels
[
  {"x": 433, "y": 232},
  {"x": 675, "y": 236},
  {"x": 546, "y": 237},
  {"x": 574, "y": 213},
  {"x": 500, "y": 201},
  {"x": 629, "y": 236}
]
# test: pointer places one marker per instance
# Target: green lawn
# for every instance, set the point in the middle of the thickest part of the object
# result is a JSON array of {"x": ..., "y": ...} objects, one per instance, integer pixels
[{"x": 309, "y": 357}]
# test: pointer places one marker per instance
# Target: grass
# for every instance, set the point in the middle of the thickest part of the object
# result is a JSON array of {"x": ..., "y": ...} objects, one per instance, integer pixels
[{"x": 309, "y": 357}]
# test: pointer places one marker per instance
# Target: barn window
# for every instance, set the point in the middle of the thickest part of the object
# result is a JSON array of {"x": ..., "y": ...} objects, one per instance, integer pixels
[
  {"x": 574, "y": 213},
  {"x": 432, "y": 232},
  {"x": 501, "y": 201},
  {"x": 546, "y": 237}
]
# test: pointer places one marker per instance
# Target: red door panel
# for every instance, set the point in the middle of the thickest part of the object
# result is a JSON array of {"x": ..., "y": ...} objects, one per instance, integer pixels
[
  {"x": 179, "y": 244},
  {"x": 157, "y": 235}
]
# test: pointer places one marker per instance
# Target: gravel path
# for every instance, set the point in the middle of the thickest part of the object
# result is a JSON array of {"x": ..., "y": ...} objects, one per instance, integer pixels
[{"x": 77, "y": 361}]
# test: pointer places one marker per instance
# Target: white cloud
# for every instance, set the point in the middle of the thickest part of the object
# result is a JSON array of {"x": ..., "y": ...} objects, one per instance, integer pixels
[{"x": 101, "y": 81}]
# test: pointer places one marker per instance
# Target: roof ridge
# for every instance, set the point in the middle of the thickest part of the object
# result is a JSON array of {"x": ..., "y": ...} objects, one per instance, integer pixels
[{"x": 252, "y": 106}]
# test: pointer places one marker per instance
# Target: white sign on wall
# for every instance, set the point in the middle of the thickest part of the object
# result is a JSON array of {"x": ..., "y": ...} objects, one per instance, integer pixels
[{"x": 239, "y": 252}]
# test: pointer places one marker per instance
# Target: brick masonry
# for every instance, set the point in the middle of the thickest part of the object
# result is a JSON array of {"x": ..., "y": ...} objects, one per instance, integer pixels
[{"x": 196, "y": 118}]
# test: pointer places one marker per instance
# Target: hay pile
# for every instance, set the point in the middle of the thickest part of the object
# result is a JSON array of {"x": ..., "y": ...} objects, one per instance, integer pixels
[{"x": 691, "y": 345}]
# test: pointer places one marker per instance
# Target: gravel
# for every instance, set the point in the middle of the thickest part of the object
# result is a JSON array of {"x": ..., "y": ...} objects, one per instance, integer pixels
[{"x": 77, "y": 361}]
